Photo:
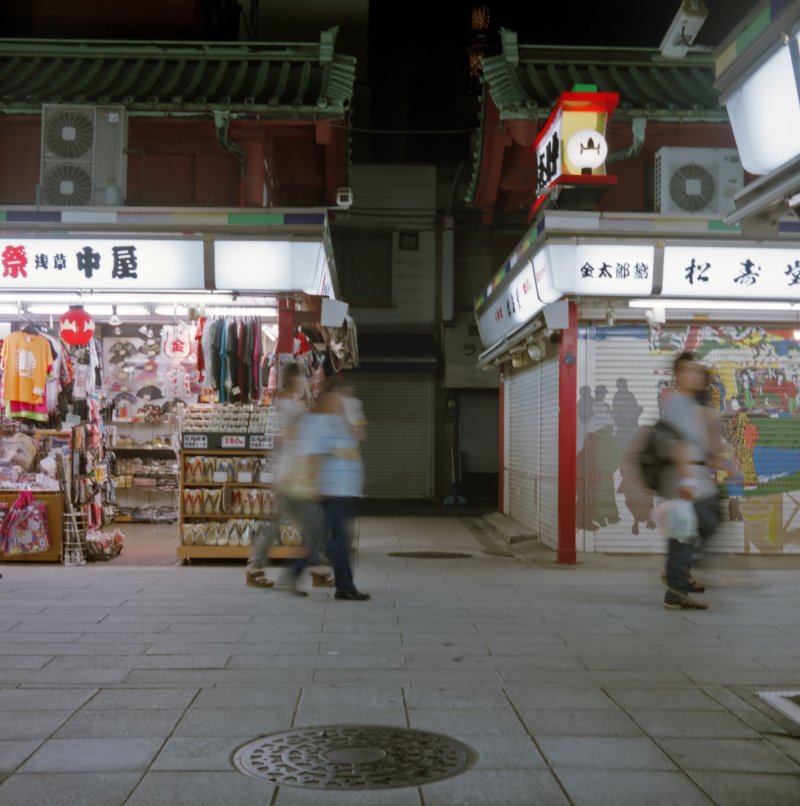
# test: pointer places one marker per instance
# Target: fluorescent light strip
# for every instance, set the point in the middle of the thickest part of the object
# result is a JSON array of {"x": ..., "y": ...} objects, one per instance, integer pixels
[{"x": 712, "y": 305}]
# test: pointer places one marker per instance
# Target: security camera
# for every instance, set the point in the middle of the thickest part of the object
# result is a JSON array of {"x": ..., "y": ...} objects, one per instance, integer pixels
[
  {"x": 534, "y": 352},
  {"x": 344, "y": 197},
  {"x": 519, "y": 360},
  {"x": 679, "y": 39}
]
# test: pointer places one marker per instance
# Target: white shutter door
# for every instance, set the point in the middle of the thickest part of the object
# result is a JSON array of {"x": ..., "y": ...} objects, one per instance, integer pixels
[
  {"x": 524, "y": 389},
  {"x": 533, "y": 449},
  {"x": 398, "y": 451},
  {"x": 549, "y": 453},
  {"x": 624, "y": 398}
]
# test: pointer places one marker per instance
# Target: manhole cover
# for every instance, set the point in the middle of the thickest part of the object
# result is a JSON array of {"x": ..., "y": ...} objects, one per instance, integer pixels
[
  {"x": 354, "y": 757},
  {"x": 430, "y": 555}
]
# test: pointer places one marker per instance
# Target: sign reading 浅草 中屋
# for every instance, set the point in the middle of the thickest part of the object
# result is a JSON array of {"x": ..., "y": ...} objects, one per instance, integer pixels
[
  {"x": 106, "y": 264},
  {"x": 720, "y": 272}
]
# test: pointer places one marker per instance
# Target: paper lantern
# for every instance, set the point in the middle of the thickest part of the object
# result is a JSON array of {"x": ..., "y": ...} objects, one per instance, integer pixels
[{"x": 76, "y": 327}]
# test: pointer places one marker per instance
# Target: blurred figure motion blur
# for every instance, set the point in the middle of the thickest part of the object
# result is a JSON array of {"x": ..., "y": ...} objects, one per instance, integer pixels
[
  {"x": 332, "y": 435},
  {"x": 293, "y": 401},
  {"x": 689, "y": 477}
]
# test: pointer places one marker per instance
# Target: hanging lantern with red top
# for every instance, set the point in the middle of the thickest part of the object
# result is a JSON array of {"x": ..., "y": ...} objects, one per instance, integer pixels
[{"x": 76, "y": 326}]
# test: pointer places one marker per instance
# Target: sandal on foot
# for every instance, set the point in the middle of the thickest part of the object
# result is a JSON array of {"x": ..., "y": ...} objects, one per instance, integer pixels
[
  {"x": 258, "y": 579},
  {"x": 325, "y": 580}
]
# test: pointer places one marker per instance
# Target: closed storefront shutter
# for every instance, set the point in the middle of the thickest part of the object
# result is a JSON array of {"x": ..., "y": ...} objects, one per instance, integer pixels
[
  {"x": 398, "y": 452},
  {"x": 533, "y": 448},
  {"x": 756, "y": 393}
]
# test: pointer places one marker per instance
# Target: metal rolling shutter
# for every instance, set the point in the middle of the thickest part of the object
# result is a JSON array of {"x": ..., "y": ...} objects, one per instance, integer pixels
[
  {"x": 614, "y": 354},
  {"x": 523, "y": 460},
  {"x": 533, "y": 449},
  {"x": 548, "y": 462},
  {"x": 398, "y": 452}
]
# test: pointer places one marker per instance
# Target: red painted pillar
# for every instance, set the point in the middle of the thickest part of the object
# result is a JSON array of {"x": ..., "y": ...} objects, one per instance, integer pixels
[
  {"x": 567, "y": 423},
  {"x": 285, "y": 349},
  {"x": 502, "y": 458},
  {"x": 254, "y": 173}
]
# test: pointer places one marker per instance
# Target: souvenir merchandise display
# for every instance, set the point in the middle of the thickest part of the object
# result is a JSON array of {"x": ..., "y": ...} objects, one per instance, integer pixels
[
  {"x": 304, "y": 353},
  {"x": 104, "y": 544},
  {"x": 91, "y": 468},
  {"x": 25, "y": 527},
  {"x": 230, "y": 350},
  {"x": 226, "y": 492},
  {"x": 38, "y": 377}
]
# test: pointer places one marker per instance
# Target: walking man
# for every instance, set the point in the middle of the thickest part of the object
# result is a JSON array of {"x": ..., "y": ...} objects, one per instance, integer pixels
[{"x": 689, "y": 478}]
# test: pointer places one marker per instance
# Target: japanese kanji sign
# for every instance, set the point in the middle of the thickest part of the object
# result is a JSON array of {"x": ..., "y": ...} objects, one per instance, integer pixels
[
  {"x": 740, "y": 272},
  {"x": 512, "y": 308},
  {"x": 116, "y": 263},
  {"x": 607, "y": 270}
]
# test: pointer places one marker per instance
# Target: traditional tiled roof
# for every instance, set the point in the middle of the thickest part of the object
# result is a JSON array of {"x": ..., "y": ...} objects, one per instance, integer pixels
[
  {"x": 525, "y": 81},
  {"x": 285, "y": 80}
]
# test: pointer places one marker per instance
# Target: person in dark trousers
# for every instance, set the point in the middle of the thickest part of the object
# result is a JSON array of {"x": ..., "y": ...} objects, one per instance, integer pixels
[
  {"x": 689, "y": 477},
  {"x": 334, "y": 443}
]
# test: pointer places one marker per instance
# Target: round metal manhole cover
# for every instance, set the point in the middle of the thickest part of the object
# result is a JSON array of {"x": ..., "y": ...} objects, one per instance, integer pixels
[
  {"x": 354, "y": 757},
  {"x": 431, "y": 555}
]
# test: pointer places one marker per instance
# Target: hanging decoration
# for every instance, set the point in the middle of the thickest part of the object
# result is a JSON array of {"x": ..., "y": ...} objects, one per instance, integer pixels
[{"x": 76, "y": 326}]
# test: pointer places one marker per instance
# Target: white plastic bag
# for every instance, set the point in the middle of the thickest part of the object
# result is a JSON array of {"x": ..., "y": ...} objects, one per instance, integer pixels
[{"x": 677, "y": 519}]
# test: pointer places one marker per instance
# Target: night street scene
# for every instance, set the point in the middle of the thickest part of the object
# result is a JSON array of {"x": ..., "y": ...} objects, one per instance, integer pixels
[{"x": 400, "y": 403}]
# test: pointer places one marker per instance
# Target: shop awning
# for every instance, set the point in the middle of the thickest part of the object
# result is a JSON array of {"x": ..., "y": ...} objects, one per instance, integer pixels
[
  {"x": 179, "y": 78},
  {"x": 632, "y": 263}
]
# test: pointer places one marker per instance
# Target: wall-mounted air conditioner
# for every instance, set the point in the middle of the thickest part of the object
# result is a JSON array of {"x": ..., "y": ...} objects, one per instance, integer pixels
[
  {"x": 83, "y": 155},
  {"x": 697, "y": 180}
]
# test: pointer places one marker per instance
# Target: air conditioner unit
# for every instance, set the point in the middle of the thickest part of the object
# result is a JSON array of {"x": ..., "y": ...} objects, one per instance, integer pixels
[
  {"x": 83, "y": 155},
  {"x": 702, "y": 181}
]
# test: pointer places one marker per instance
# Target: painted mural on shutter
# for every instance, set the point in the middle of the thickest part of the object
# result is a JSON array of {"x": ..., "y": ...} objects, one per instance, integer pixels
[{"x": 755, "y": 391}]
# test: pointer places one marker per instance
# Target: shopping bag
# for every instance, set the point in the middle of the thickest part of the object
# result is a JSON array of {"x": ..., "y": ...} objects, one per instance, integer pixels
[{"x": 24, "y": 530}]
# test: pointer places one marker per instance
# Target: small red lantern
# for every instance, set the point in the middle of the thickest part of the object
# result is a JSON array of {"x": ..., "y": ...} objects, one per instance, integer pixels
[{"x": 76, "y": 326}]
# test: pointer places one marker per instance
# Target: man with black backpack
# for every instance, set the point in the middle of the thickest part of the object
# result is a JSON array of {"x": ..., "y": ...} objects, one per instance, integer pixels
[{"x": 688, "y": 477}]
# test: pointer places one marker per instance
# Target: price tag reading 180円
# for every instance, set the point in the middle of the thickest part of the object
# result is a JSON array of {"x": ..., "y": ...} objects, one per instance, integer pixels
[
  {"x": 195, "y": 441},
  {"x": 234, "y": 441},
  {"x": 260, "y": 442}
]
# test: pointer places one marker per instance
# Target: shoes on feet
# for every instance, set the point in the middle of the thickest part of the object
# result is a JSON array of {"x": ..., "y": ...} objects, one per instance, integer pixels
[
  {"x": 353, "y": 596},
  {"x": 675, "y": 600},
  {"x": 692, "y": 585}
]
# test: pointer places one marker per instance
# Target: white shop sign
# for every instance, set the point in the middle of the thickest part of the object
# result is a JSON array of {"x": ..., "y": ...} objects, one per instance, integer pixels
[
  {"x": 605, "y": 270},
  {"x": 194, "y": 441},
  {"x": 272, "y": 266},
  {"x": 548, "y": 154},
  {"x": 260, "y": 442},
  {"x": 724, "y": 272},
  {"x": 515, "y": 306},
  {"x": 118, "y": 263}
]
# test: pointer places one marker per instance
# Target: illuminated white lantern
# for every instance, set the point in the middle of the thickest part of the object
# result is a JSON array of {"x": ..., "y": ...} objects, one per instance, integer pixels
[{"x": 587, "y": 149}]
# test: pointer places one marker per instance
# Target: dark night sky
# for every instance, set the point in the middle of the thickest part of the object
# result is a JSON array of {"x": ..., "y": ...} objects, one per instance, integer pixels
[{"x": 418, "y": 61}]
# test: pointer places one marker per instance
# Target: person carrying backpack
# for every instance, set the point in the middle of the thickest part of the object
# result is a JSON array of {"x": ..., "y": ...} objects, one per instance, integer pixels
[{"x": 684, "y": 438}]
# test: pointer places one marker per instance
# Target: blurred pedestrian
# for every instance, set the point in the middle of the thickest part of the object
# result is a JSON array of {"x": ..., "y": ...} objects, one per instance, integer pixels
[
  {"x": 340, "y": 480},
  {"x": 689, "y": 478},
  {"x": 292, "y": 403}
]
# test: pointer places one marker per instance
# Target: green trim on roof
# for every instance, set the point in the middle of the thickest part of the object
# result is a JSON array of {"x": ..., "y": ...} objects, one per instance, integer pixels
[
  {"x": 179, "y": 78},
  {"x": 256, "y": 219},
  {"x": 751, "y": 33}
]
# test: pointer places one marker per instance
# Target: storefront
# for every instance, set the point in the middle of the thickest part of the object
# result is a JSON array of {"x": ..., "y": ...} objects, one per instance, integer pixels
[
  {"x": 584, "y": 321},
  {"x": 171, "y": 329}
]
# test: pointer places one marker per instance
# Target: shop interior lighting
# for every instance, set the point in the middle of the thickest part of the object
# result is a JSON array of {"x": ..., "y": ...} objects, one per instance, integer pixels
[
  {"x": 68, "y": 298},
  {"x": 9, "y": 310},
  {"x": 713, "y": 305}
]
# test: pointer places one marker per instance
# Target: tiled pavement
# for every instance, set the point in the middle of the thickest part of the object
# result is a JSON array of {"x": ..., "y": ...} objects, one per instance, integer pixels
[{"x": 134, "y": 685}]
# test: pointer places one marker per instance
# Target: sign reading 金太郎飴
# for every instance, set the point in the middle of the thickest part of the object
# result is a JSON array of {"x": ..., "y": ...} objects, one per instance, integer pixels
[
  {"x": 741, "y": 272},
  {"x": 118, "y": 263}
]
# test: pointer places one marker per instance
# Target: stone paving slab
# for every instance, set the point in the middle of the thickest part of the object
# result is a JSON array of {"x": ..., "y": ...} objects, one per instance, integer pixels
[{"x": 124, "y": 685}]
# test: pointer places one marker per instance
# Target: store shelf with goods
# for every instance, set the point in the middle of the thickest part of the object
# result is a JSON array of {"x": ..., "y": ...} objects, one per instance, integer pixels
[
  {"x": 226, "y": 515},
  {"x": 233, "y": 462},
  {"x": 259, "y": 484},
  {"x": 223, "y": 452}
]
